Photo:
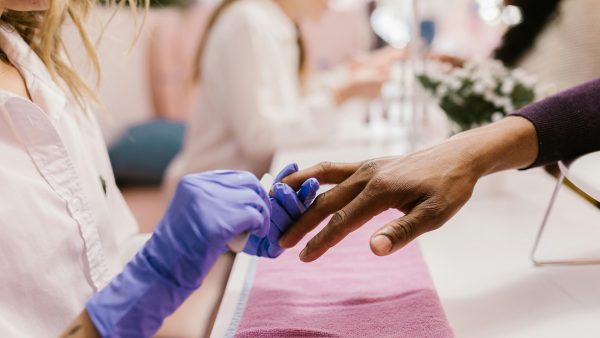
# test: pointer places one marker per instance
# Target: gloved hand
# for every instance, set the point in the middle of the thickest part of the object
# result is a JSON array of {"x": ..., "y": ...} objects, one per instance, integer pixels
[
  {"x": 286, "y": 207},
  {"x": 207, "y": 211}
]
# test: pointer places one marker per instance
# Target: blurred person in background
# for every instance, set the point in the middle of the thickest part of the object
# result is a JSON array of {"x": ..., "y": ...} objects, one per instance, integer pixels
[
  {"x": 251, "y": 64},
  {"x": 553, "y": 40},
  {"x": 556, "y": 41}
]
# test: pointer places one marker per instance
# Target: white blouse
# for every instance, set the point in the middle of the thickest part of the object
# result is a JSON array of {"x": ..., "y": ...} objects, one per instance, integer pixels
[
  {"x": 66, "y": 230},
  {"x": 251, "y": 100}
]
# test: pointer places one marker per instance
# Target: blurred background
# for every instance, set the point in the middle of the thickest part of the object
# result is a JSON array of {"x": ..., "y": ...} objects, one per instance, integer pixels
[{"x": 395, "y": 72}]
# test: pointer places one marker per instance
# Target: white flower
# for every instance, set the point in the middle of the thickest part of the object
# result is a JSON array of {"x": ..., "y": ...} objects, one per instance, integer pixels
[
  {"x": 497, "y": 116},
  {"x": 460, "y": 73},
  {"x": 441, "y": 91},
  {"x": 455, "y": 84},
  {"x": 508, "y": 86},
  {"x": 478, "y": 88},
  {"x": 489, "y": 83},
  {"x": 523, "y": 77},
  {"x": 470, "y": 65},
  {"x": 498, "y": 101},
  {"x": 508, "y": 107},
  {"x": 444, "y": 67},
  {"x": 489, "y": 96}
]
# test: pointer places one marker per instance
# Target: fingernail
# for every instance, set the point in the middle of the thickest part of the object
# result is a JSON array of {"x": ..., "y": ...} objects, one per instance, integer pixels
[
  {"x": 281, "y": 243},
  {"x": 381, "y": 245},
  {"x": 304, "y": 253}
]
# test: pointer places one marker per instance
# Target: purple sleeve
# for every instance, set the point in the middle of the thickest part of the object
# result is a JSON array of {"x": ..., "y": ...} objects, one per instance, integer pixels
[{"x": 567, "y": 124}]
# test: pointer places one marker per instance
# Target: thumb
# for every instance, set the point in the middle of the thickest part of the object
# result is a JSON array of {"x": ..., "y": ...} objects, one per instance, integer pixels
[{"x": 398, "y": 233}]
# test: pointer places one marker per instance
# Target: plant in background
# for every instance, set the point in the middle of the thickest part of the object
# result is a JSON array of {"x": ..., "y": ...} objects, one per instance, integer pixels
[{"x": 480, "y": 92}]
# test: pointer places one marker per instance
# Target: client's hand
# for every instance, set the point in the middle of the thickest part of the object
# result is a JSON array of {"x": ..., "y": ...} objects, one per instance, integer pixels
[
  {"x": 430, "y": 186},
  {"x": 286, "y": 207},
  {"x": 207, "y": 211}
]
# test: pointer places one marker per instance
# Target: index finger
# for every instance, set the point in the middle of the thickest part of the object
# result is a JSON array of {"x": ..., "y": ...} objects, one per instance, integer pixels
[
  {"x": 325, "y": 204},
  {"x": 356, "y": 213},
  {"x": 324, "y": 172}
]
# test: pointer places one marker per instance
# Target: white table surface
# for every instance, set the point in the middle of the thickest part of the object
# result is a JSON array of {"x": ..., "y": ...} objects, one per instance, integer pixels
[{"x": 479, "y": 260}]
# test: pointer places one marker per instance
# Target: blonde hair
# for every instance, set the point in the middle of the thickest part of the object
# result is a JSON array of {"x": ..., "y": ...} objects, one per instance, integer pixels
[
  {"x": 42, "y": 31},
  {"x": 216, "y": 14}
]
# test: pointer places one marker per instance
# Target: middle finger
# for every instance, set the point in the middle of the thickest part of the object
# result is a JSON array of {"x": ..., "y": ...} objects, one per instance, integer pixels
[{"x": 324, "y": 205}]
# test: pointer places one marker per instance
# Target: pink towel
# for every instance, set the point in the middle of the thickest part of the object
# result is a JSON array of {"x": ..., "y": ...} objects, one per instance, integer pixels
[{"x": 349, "y": 292}]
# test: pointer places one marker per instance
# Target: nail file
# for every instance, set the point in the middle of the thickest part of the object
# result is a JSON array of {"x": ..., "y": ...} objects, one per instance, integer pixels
[{"x": 239, "y": 242}]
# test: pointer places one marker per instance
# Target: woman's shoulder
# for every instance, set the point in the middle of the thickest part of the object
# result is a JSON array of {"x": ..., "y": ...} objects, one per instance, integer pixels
[{"x": 248, "y": 15}]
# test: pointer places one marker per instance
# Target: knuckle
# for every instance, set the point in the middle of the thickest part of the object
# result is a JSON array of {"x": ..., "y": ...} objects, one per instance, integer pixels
[
  {"x": 370, "y": 167},
  {"x": 324, "y": 240},
  {"x": 433, "y": 208},
  {"x": 369, "y": 195},
  {"x": 338, "y": 219},
  {"x": 378, "y": 182},
  {"x": 325, "y": 167}
]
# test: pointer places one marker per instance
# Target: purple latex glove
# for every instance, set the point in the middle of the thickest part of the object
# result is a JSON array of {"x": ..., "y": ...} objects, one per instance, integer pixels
[
  {"x": 286, "y": 207},
  {"x": 207, "y": 211}
]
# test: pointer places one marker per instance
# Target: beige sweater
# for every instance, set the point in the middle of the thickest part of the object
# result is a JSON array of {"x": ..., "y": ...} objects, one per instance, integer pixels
[{"x": 567, "y": 52}]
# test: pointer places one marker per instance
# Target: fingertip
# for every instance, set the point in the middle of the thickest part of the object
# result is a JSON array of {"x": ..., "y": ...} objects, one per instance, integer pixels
[
  {"x": 287, "y": 171},
  {"x": 381, "y": 245},
  {"x": 284, "y": 194},
  {"x": 306, "y": 257},
  {"x": 313, "y": 184},
  {"x": 303, "y": 254},
  {"x": 308, "y": 191},
  {"x": 283, "y": 243},
  {"x": 281, "y": 188}
]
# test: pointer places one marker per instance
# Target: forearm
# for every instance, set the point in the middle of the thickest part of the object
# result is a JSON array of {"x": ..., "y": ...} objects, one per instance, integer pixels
[
  {"x": 81, "y": 327},
  {"x": 195, "y": 317}
]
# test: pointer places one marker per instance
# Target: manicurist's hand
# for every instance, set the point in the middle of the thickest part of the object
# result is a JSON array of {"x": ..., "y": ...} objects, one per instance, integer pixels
[
  {"x": 429, "y": 186},
  {"x": 206, "y": 213},
  {"x": 286, "y": 207}
]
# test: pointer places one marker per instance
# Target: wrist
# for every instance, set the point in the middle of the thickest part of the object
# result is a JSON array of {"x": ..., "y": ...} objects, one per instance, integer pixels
[
  {"x": 150, "y": 288},
  {"x": 342, "y": 94},
  {"x": 81, "y": 327},
  {"x": 507, "y": 144}
]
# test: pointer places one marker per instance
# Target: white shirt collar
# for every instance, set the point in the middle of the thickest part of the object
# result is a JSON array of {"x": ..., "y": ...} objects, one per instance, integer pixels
[{"x": 42, "y": 88}]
